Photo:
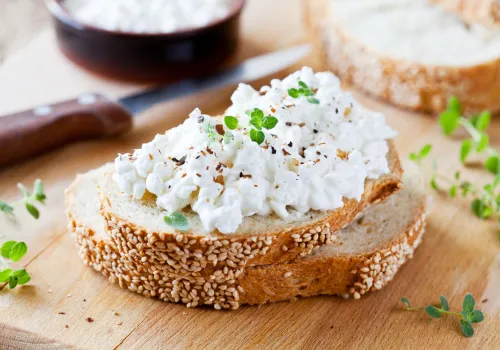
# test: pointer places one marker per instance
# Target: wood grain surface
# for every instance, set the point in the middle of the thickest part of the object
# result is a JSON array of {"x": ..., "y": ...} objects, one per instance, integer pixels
[{"x": 459, "y": 253}]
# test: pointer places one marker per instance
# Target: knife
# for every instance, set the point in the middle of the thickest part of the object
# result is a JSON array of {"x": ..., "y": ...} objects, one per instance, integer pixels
[{"x": 32, "y": 132}]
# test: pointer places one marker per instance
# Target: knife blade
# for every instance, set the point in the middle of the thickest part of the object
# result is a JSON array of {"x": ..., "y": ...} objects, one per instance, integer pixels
[{"x": 32, "y": 132}]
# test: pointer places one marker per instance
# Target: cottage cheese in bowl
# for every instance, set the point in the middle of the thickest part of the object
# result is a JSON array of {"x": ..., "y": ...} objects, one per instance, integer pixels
[
  {"x": 299, "y": 144},
  {"x": 147, "y": 16}
]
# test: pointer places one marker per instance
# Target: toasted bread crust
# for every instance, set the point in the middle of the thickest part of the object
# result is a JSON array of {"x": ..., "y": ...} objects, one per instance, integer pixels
[
  {"x": 411, "y": 85},
  {"x": 181, "y": 254},
  {"x": 346, "y": 275}
]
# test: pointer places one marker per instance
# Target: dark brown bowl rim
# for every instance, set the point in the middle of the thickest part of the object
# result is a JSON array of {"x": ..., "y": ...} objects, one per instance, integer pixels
[{"x": 57, "y": 9}]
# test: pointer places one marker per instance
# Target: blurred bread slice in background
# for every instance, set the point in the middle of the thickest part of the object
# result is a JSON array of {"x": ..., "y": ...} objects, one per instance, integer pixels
[
  {"x": 485, "y": 12},
  {"x": 411, "y": 53}
]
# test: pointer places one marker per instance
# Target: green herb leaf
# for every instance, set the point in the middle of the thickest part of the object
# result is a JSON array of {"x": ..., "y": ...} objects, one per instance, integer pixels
[
  {"x": 453, "y": 191},
  {"x": 424, "y": 151},
  {"x": 482, "y": 121},
  {"x": 406, "y": 301},
  {"x": 433, "y": 184},
  {"x": 211, "y": 133},
  {"x": 454, "y": 105},
  {"x": 38, "y": 191},
  {"x": 18, "y": 251},
  {"x": 228, "y": 137},
  {"x": 269, "y": 122},
  {"x": 481, "y": 209},
  {"x": 6, "y": 208},
  {"x": 4, "y": 275},
  {"x": 466, "y": 328},
  {"x": 444, "y": 303},
  {"x": 448, "y": 120},
  {"x": 32, "y": 210},
  {"x": 466, "y": 315},
  {"x": 492, "y": 164},
  {"x": 488, "y": 188},
  {"x": 496, "y": 181},
  {"x": 257, "y": 113},
  {"x": 414, "y": 157},
  {"x": 6, "y": 248},
  {"x": 313, "y": 100},
  {"x": 22, "y": 276},
  {"x": 468, "y": 303},
  {"x": 457, "y": 175},
  {"x": 483, "y": 143},
  {"x": 257, "y": 136},
  {"x": 466, "y": 187},
  {"x": 303, "y": 85},
  {"x": 256, "y": 122},
  {"x": 177, "y": 221},
  {"x": 12, "y": 281},
  {"x": 465, "y": 150},
  {"x": 231, "y": 122},
  {"x": 293, "y": 93},
  {"x": 477, "y": 316},
  {"x": 433, "y": 311}
]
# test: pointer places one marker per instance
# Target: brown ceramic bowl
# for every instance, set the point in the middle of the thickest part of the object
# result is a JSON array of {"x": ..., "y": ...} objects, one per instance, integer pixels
[{"x": 147, "y": 57}]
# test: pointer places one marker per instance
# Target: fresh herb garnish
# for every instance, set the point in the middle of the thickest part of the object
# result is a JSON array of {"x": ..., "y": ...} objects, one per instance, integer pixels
[
  {"x": 485, "y": 200},
  {"x": 421, "y": 154},
  {"x": 231, "y": 122},
  {"x": 258, "y": 121},
  {"x": 177, "y": 221},
  {"x": 305, "y": 91},
  {"x": 212, "y": 134},
  {"x": 13, "y": 251},
  {"x": 228, "y": 137},
  {"x": 38, "y": 195},
  {"x": 257, "y": 136},
  {"x": 467, "y": 316}
]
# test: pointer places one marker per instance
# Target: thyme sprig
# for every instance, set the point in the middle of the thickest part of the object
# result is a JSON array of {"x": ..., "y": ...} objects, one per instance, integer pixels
[
  {"x": 28, "y": 199},
  {"x": 13, "y": 251},
  {"x": 305, "y": 91},
  {"x": 467, "y": 316},
  {"x": 485, "y": 201}
]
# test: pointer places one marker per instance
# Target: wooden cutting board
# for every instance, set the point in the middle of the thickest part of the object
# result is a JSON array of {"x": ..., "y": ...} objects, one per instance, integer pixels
[{"x": 459, "y": 253}]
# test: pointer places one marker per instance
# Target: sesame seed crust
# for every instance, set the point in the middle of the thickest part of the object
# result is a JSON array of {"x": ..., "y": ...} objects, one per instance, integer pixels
[
  {"x": 379, "y": 268},
  {"x": 345, "y": 275},
  {"x": 401, "y": 82},
  {"x": 227, "y": 288}
]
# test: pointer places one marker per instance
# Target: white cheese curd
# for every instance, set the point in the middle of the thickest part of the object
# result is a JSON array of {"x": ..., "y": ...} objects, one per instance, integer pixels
[
  {"x": 321, "y": 150},
  {"x": 147, "y": 16}
]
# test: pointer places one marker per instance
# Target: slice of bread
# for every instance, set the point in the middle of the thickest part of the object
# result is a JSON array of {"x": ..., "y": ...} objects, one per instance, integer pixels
[
  {"x": 138, "y": 229},
  {"x": 484, "y": 12},
  {"x": 364, "y": 257},
  {"x": 411, "y": 53}
]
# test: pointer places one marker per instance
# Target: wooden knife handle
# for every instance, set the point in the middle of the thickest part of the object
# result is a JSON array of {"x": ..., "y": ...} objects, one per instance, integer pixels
[{"x": 32, "y": 132}]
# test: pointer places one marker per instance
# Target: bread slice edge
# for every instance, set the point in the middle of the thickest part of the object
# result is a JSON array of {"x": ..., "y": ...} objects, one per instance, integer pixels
[
  {"x": 411, "y": 85},
  {"x": 249, "y": 285}
]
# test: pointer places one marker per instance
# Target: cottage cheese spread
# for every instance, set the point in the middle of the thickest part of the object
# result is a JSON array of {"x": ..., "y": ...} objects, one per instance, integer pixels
[
  {"x": 318, "y": 153},
  {"x": 147, "y": 16}
]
